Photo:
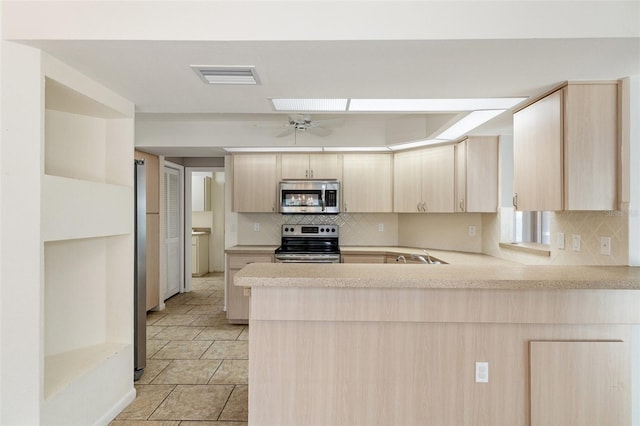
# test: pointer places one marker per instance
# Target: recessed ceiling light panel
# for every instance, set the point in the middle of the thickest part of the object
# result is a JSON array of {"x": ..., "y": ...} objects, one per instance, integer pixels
[
  {"x": 308, "y": 104},
  {"x": 468, "y": 123},
  {"x": 226, "y": 74},
  {"x": 416, "y": 144},
  {"x": 431, "y": 105}
]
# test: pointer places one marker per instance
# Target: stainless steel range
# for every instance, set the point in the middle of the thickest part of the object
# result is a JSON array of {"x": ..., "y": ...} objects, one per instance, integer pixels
[{"x": 309, "y": 244}]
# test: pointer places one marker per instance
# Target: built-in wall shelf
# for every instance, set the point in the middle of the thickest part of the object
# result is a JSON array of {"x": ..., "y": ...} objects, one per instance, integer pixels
[
  {"x": 63, "y": 369},
  {"x": 79, "y": 209},
  {"x": 86, "y": 224}
]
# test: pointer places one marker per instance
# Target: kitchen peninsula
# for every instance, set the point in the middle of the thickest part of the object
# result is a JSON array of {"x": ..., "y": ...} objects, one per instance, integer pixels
[{"x": 388, "y": 344}]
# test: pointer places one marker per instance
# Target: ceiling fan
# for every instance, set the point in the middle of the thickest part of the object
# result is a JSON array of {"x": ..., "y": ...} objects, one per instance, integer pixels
[{"x": 303, "y": 123}]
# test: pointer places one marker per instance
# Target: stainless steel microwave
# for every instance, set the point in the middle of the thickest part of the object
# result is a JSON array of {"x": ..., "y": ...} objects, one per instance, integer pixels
[{"x": 309, "y": 197}]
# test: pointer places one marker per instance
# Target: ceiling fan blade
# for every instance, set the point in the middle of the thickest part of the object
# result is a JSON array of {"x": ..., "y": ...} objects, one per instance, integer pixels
[
  {"x": 286, "y": 132},
  {"x": 320, "y": 131}
]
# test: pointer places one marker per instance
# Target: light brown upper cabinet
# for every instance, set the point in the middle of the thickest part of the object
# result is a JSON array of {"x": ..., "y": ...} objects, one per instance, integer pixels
[
  {"x": 152, "y": 163},
  {"x": 254, "y": 183},
  {"x": 566, "y": 148},
  {"x": 424, "y": 180},
  {"x": 367, "y": 183},
  {"x": 310, "y": 166},
  {"x": 477, "y": 174}
]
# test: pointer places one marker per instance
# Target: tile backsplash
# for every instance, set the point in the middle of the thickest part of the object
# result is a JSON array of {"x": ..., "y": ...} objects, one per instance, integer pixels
[
  {"x": 589, "y": 225},
  {"x": 375, "y": 229},
  {"x": 450, "y": 231}
]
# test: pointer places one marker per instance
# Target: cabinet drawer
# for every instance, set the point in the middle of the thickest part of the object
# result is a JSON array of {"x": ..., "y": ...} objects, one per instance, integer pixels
[{"x": 240, "y": 261}]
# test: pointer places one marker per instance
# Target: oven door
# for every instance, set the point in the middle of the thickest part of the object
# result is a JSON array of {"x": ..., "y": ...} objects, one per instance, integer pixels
[{"x": 307, "y": 258}]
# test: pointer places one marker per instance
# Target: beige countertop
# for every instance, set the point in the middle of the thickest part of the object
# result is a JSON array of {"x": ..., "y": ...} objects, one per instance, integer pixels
[
  {"x": 504, "y": 277},
  {"x": 452, "y": 257},
  {"x": 442, "y": 255}
]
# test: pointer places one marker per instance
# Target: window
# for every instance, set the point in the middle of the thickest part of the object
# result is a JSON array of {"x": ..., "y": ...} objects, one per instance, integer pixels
[{"x": 532, "y": 227}]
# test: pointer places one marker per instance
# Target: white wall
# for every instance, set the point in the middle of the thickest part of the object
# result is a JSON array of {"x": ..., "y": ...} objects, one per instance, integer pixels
[{"x": 21, "y": 295}]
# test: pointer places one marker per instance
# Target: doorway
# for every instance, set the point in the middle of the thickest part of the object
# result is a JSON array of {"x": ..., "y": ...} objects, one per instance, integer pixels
[{"x": 204, "y": 214}]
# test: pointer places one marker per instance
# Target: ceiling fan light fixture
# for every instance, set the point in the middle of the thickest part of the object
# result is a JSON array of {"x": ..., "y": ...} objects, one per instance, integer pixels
[
  {"x": 309, "y": 104},
  {"x": 226, "y": 74}
]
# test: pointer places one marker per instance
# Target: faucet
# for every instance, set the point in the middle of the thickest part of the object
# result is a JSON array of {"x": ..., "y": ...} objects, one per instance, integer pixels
[
  {"x": 420, "y": 258},
  {"x": 399, "y": 258}
]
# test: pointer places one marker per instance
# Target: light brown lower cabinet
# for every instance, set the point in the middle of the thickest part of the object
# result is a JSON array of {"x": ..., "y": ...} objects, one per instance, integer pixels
[
  {"x": 153, "y": 260},
  {"x": 237, "y": 302},
  {"x": 580, "y": 383}
]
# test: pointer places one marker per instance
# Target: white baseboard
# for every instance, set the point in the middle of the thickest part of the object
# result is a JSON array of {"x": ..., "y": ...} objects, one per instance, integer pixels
[{"x": 117, "y": 408}]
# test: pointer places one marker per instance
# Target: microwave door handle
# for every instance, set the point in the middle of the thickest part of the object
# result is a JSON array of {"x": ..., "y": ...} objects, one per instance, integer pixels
[{"x": 322, "y": 203}]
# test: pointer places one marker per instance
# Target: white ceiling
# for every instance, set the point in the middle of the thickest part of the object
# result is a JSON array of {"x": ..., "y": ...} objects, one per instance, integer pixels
[{"x": 156, "y": 76}]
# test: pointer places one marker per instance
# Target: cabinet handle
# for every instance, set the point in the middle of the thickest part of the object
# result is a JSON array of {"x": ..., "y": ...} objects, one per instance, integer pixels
[
  {"x": 515, "y": 200},
  {"x": 306, "y": 174},
  {"x": 273, "y": 207},
  {"x": 311, "y": 173},
  {"x": 418, "y": 206},
  {"x": 345, "y": 207},
  {"x": 461, "y": 205}
]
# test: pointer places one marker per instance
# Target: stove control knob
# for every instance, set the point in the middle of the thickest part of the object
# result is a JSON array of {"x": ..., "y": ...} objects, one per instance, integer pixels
[
  {"x": 321, "y": 229},
  {"x": 286, "y": 229}
]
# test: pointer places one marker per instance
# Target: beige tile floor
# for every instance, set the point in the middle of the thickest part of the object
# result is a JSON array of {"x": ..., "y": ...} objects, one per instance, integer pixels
[{"x": 197, "y": 364}]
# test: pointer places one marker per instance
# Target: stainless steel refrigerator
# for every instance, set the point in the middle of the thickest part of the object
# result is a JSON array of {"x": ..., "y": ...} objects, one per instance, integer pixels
[{"x": 140, "y": 272}]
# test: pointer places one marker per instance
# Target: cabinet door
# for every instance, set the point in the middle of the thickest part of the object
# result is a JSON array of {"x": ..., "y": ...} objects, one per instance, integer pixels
[
  {"x": 294, "y": 166},
  {"x": 537, "y": 154},
  {"x": 438, "y": 179},
  {"x": 152, "y": 164},
  {"x": 237, "y": 302},
  {"x": 580, "y": 383},
  {"x": 481, "y": 174},
  {"x": 366, "y": 183},
  {"x": 591, "y": 146},
  {"x": 324, "y": 166},
  {"x": 254, "y": 183},
  {"x": 461, "y": 176},
  {"x": 407, "y": 182}
]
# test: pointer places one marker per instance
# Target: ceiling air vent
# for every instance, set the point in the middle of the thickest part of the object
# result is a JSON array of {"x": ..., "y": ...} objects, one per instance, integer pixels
[{"x": 242, "y": 74}]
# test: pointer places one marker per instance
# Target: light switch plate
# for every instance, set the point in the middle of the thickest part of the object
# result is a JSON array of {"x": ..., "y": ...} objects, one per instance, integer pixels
[
  {"x": 256, "y": 227},
  {"x": 472, "y": 231},
  {"x": 560, "y": 237},
  {"x": 482, "y": 372},
  {"x": 381, "y": 227},
  {"x": 575, "y": 242}
]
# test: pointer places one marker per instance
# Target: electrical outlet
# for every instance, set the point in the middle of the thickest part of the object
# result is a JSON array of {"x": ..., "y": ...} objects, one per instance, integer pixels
[
  {"x": 575, "y": 242},
  {"x": 560, "y": 238},
  {"x": 381, "y": 227},
  {"x": 482, "y": 372},
  {"x": 472, "y": 231},
  {"x": 256, "y": 227},
  {"x": 605, "y": 246}
]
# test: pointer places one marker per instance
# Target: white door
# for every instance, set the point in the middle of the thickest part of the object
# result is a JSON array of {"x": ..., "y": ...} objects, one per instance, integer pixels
[{"x": 172, "y": 199}]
